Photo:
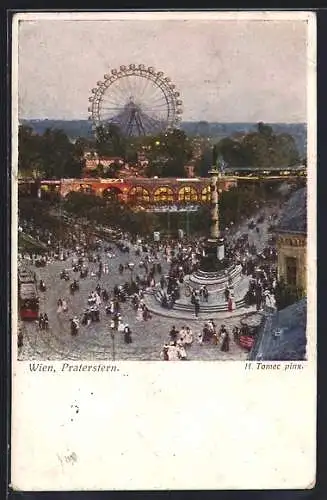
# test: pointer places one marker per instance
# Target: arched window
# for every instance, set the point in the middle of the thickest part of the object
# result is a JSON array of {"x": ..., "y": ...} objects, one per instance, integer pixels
[
  {"x": 206, "y": 194},
  {"x": 111, "y": 193},
  {"x": 187, "y": 193},
  {"x": 86, "y": 189},
  {"x": 139, "y": 194},
  {"x": 163, "y": 193}
]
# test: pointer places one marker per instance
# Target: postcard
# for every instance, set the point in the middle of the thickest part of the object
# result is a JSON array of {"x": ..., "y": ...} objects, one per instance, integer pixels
[{"x": 163, "y": 210}]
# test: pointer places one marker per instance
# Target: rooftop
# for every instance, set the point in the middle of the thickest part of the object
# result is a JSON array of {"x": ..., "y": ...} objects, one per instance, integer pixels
[
  {"x": 283, "y": 335},
  {"x": 294, "y": 214}
]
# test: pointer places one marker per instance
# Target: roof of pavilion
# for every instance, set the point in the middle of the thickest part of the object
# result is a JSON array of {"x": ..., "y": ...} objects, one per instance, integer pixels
[
  {"x": 283, "y": 335},
  {"x": 294, "y": 215}
]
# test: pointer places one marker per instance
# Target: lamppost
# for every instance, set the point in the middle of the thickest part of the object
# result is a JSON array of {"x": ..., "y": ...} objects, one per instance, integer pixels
[
  {"x": 187, "y": 223},
  {"x": 113, "y": 344},
  {"x": 131, "y": 266},
  {"x": 168, "y": 215}
]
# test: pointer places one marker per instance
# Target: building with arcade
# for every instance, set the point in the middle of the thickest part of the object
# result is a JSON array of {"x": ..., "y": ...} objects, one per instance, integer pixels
[{"x": 134, "y": 190}]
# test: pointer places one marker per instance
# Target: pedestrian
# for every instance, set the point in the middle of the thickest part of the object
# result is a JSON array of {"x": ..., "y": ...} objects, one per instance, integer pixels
[
  {"x": 236, "y": 334},
  {"x": 164, "y": 352},
  {"x": 233, "y": 305},
  {"x": 181, "y": 351},
  {"x": 225, "y": 342},
  {"x": 182, "y": 333},
  {"x": 127, "y": 334},
  {"x": 215, "y": 338},
  {"x": 139, "y": 313},
  {"x": 173, "y": 334},
  {"x": 188, "y": 337},
  {"x": 196, "y": 307},
  {"x": 41, "y": 321},
  {"x": 46, "y": 321},
  {"x": 20, "y": 339},
  {"x": 59, "y": 304}
]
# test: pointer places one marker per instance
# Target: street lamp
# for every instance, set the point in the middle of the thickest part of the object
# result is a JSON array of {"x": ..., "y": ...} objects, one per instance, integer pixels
[
  {"x": 131, "y": 266},
  {"x": 113, "y": 345}
]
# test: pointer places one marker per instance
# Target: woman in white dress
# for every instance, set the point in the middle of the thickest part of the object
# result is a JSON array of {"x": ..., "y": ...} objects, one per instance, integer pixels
[
  {"x": 139, "y": 314},
  {"x": 112, "y": 307},
  {"x": 188, "y": 337},
  {"x": 182, "y": 334},
  {"x": 121, "y": 325},
  {"x": 59, "y": 304},
  {"x": 173, "y": 352},
  {"x": 64, "y": 306},
  {"x": 181, "y": 352}
]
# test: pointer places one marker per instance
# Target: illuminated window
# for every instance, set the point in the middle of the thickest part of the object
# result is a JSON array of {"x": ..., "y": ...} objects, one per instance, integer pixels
[
  {"x": 206, "y": 194},
  {"x": 111, "y": 193},
  {"x": 187, "y": 193},
  {"x": 139, "y": 195},
  {"x": 86, "y": 189},
  {"x": 163, "y": 194}
]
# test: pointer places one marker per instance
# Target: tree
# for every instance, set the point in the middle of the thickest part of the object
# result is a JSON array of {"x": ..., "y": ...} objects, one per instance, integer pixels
[
  {"x": 260, "y": 149},
  {"x": 110, "y": 141},
  {"x": 202, "y": 129},
  {"x": 168, "y": 153},
  {"x": 29, "y": 160},
  {"x": 203, "y": 165},
  {"x": 50, "y": 155},
  {"x": 264, "y": 129},
  {"x": 83, "y": 145},
  {"x": 59, "y": 155}
]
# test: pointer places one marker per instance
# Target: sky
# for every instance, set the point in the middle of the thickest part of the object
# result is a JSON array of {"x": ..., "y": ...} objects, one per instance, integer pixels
[{"x": 225, "y": 71}]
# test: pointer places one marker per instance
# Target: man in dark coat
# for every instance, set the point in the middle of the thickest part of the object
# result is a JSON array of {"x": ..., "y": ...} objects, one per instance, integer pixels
[
  {"x": 127, "y": 335},
  {"x": 173, "y": 334},
  {"x": 196, "y": 307},
  {"x": 225, "y": 342}
]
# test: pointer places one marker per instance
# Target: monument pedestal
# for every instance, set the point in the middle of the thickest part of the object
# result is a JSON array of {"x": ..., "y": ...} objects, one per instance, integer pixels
[{"x": 214, "y": 259}]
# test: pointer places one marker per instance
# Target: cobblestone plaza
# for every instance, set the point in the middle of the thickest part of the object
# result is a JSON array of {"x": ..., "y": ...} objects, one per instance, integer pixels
[{"x": 95, "y": 342}]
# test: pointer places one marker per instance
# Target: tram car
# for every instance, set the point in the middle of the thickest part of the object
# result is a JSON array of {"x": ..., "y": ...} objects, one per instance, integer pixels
[{"x": 28, "y": 300}]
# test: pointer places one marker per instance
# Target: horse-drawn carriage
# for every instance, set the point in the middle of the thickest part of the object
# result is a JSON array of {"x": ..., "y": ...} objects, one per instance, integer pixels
[
  {"x": 64, "y": 275},
  {"x": 40, "y": 262},
  {"x": 246, "y": 335}
]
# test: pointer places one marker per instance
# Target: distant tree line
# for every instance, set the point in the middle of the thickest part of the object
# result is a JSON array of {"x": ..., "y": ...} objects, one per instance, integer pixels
[
  {"x": 260, "y": 149},
  {"x": 53, "y": 155},
  {"x": 50, "y": 155}
]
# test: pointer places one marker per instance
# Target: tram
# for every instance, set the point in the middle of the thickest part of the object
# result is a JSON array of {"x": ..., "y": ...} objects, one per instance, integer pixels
[{"x": 28, "y": 300}]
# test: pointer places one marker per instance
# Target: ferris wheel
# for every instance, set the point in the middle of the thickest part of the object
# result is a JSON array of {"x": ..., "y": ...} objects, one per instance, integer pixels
[{"x": 138, "y": 99}]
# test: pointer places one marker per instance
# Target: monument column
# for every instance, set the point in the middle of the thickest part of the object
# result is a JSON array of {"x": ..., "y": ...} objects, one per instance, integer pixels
[
  {"x": 214, "y": 228},
  {"x": 214, "y": 250}
]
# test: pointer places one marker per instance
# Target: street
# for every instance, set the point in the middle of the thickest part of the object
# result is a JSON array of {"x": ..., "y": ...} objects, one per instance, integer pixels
[{"x": 94, "y": 342}]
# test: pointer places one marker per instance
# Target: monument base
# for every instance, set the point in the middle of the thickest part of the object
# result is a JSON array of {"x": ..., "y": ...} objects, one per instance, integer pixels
[{"x": 214, "y": 259}]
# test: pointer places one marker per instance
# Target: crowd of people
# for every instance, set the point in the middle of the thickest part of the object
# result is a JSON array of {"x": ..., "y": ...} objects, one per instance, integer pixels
[
  {"x": 180, "y": 341},
  {"x": 159, "y": 265}
]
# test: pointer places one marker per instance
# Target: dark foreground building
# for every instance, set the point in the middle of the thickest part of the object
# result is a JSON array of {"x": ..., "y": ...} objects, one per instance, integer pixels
[
  {"x": 283, "y": 336},
  {"x": 292, "y": 241}
]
